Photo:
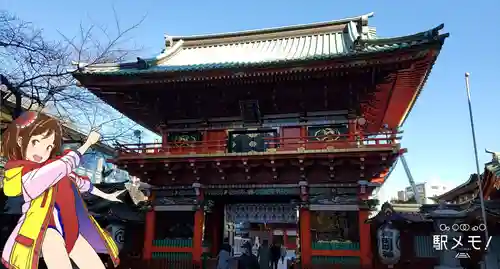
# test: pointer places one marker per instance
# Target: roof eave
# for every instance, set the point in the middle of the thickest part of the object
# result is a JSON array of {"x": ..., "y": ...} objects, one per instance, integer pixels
[
  {"x": 441, "y": 39},
  {"x": 188, "y": 69},
  {"x": 460, "y": 189},
  {"x": 429, "y": 34}
]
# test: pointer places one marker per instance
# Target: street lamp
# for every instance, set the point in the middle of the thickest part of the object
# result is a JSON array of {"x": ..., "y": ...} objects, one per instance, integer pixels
[{"x": 138, "y": 135}]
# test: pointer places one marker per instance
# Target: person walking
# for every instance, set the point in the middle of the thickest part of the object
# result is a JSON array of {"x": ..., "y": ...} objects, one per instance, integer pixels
[
  {"x": 283, "y": 253},
  {"x": 247, "y": 260},
  {"x": 225, "y": 255},
  {"x": 275, "y": 255},
  {"x": 263, "y": 255}
]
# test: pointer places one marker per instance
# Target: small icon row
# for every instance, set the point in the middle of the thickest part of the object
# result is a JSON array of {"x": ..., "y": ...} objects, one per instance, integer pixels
[{"x": 462, "y": 227}]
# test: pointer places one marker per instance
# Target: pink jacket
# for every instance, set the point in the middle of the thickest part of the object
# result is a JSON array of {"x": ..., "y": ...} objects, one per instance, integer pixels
[{"x": 34, "y": 182}]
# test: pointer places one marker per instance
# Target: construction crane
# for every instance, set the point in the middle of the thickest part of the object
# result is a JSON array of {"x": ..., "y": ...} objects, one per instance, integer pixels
[{"x": 416, "y": 195}]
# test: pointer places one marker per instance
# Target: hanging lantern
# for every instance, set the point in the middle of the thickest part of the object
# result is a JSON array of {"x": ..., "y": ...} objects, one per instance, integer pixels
[{"x": 388, "y": 244}]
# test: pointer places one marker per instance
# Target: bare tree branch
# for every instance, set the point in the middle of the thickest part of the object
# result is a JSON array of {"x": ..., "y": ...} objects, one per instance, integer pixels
[{"x": 39, "y": 70}]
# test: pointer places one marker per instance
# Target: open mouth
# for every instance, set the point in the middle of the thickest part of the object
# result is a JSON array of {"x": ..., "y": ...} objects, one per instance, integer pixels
[{"x": 37, "y": 158}]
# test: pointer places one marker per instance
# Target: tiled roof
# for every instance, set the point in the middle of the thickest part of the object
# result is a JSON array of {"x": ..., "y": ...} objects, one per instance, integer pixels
[
  {"x": 467, "y": 186},
  {"x": 406, "y": 208},
  {"x": 400, "y": 216},
  {"x": 399, "y": 212},
  {"x": 491, "y": 180},
  {"x": 429, "y": 212},
  {"x": 493, "y": 167},
  {"x": 298, "y": 47},
  {"x": 319, "y": 41}
]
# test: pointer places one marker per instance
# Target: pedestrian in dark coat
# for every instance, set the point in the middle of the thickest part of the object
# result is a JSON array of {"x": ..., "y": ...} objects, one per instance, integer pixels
[{"x": 247, "y": 260}]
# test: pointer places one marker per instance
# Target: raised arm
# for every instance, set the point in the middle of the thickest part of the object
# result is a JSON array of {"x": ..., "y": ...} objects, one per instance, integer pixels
[{"x": 39, "y": 180}]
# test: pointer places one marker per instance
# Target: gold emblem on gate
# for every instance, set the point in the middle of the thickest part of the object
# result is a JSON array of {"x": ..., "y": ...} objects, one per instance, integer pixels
[{"x": 327, "y": 134}]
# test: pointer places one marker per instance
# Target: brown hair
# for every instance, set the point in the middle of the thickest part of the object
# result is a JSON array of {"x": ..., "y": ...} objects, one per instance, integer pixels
[{"x": 41, "y": 125}]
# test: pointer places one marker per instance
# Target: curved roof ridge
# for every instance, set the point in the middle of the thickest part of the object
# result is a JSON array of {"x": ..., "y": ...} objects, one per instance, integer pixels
[
  {"x": 425, "y": 34},
  {"x": 168, "y": 52},
  {"x": 363, "y": 18}
]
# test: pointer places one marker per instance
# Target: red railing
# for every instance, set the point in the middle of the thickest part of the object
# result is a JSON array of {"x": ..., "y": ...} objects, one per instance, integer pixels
[{"x": 271, "y": 144}]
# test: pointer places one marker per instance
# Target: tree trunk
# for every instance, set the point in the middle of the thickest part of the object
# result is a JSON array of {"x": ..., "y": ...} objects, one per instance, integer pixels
[{"x": 18, "y": 109}]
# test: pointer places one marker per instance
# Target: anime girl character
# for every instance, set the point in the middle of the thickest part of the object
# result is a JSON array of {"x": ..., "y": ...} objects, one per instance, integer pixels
[{"x": 55, "y": 222}]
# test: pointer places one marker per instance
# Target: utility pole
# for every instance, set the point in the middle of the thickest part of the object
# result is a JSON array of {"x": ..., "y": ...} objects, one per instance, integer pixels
[
  {"x": 416, "y": 195},
  {"x": 474, "y": 143}
]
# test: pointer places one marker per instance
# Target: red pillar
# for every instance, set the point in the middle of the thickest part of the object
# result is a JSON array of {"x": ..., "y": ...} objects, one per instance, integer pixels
[
  {"x": 352, "y": 130},
  {"x": 303, "y": 136},
  {"x": 305, "y": 238},
  {"x": 365, "y": 243},
  {"x": 149, "y": 235},
  {"x": 216, "y": 223},
  {"x": 199, "y": 220},
  {"x": 164, "y": 138}
]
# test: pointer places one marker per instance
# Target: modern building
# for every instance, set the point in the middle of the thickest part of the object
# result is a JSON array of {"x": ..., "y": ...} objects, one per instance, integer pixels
[
  {"x": 426, "y": 191},
  {"x": 402, "y": 196},
  {"x": 257, "y": 124}
]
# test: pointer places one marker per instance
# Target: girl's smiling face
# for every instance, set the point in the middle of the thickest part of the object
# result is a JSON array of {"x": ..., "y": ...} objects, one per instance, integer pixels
[{"x": 39, "y": 147}]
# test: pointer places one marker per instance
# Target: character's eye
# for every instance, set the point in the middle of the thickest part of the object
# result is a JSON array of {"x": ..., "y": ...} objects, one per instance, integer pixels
[
  {"x": 34, "y": 142},
  {"x": 50, "y": 147}
]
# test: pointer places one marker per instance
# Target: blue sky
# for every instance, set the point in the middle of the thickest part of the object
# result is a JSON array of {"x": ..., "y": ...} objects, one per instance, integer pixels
[{"x": 437, "y": 132}]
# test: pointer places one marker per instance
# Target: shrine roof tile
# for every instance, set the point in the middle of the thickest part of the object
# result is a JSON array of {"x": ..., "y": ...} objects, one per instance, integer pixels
[
  {"x": 399, "y": 212},
  {"x": 409, "y": 217},
  {"x": 260, "y": 48},
  {"x": 493, "y": 167},
  {"x": 467, "y": 186}
]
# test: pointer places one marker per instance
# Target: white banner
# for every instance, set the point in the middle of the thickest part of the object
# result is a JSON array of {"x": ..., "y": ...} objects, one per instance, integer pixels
[{"x": 117, "y": 232}]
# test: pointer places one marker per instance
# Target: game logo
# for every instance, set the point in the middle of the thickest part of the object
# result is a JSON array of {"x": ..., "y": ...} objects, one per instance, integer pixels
[{"x": 461, "y": 238}]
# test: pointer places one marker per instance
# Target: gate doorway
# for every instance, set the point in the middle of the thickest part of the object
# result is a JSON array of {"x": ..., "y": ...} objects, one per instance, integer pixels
[{"x": 255, "y": 223}]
